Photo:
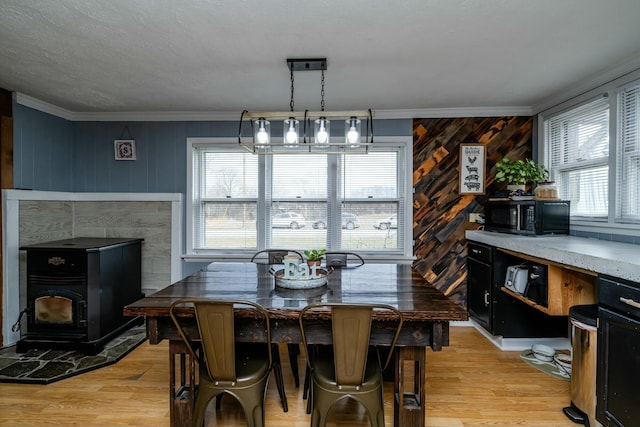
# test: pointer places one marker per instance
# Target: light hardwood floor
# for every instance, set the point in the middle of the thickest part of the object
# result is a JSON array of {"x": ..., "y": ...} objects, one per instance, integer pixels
[{"x": 469, "y": 383}]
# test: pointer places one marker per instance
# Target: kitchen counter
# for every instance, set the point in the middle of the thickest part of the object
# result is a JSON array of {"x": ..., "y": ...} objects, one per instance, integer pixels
[{"x": 616, "y": 259}]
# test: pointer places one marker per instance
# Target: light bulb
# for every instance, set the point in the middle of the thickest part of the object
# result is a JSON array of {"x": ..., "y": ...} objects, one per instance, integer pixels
[
  {"x": 262, "y": 135},
  {"x": 291, "y": 137},
  {"x": 322, "y": 135},
  {"x": 352, "y": 135},
  {"x": 352, "y": 128}
]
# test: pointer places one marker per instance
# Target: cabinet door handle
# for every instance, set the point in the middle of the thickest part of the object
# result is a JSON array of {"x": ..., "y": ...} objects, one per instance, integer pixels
[
  {"x": 630, "y": 302},
  {"x": 486, "y": 298}
]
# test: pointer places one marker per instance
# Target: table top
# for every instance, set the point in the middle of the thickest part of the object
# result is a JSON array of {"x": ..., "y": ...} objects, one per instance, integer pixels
[{"x": 394, "y": 284}]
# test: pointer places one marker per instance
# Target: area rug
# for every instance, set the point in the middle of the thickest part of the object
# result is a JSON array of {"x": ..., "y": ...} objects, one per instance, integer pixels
[
  {"x": 37, "y": 366},
  {"x": 550, "y": 368}
]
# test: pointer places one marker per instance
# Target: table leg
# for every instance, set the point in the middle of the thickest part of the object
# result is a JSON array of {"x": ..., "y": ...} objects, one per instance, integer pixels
[
  {"x": 409, "y": 402},
  {"x": 181, "y": 394}
]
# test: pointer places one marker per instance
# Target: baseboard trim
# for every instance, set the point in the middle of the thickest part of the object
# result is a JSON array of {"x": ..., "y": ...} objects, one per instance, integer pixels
[{"x": 519, "y": 344}]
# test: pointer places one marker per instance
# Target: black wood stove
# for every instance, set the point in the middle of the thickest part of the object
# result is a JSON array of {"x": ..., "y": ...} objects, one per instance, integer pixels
[{"x": 76, "y": 291}]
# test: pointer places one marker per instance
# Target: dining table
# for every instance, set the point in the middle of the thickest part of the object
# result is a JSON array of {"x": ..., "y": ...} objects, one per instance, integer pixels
[{"x": 427, "y": 314}]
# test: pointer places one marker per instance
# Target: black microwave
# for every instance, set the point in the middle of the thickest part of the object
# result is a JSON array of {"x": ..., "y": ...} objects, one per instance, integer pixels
[{"x": 527, "y": 217}]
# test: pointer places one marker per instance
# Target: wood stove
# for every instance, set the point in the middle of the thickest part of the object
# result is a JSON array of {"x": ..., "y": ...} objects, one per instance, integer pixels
[{"x": 76, "y": 291}]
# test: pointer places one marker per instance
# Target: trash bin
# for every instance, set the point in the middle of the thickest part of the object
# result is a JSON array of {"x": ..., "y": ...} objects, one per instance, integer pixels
[{"x": 584, "y": 340}]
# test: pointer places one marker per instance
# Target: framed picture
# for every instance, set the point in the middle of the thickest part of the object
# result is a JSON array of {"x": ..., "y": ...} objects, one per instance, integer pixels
[
  {"x": 472, "y": 164},
  {"x": 125, "y": 149}
]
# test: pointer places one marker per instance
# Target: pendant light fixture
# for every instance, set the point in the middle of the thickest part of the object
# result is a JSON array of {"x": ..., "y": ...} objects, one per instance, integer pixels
[{"x": 261, "y": 141}]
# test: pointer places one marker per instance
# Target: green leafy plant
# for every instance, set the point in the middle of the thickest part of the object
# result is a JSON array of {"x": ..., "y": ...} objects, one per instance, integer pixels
[
  {"x": 520, "y": 172},
  {"x": 314, "y": 254}
]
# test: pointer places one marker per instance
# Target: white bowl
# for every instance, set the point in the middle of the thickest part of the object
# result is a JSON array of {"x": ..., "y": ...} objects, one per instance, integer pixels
[
  {"x": 543, "y": 352},
  {"x": 564, "y": 361}
]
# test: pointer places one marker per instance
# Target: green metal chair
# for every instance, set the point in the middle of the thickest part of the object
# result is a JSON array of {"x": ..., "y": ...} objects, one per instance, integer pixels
[
  {"x": 350, "y": 368},
  {"x": 226, "y": 368}
]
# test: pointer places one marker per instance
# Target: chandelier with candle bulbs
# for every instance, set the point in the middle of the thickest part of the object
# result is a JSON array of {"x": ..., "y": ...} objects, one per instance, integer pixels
[{"x": 293, "y": 140}]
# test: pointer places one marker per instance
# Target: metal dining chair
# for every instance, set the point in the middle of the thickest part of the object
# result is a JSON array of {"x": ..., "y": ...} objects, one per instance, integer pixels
[
  {"x": 225, "y": 367},
  {"x": 343, "y": 259},
  {"x": 276, "y": 256},
  {"x": 351, "y": 366}
]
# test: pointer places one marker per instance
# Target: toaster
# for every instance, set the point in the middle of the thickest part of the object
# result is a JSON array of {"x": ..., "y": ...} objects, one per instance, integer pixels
[{"x": 517, "y": 278}]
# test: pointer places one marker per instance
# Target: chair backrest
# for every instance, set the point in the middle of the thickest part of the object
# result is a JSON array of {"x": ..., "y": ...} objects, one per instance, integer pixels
[
  {"x": 351, "y": 333},
  {"x": 275, "y": 256},
  {"x": 215, "y": 321},
  {"x": 343, "y": 259}
]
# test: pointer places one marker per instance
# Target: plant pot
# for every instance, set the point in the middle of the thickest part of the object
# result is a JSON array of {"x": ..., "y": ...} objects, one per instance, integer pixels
[{"x": 311, "y": 263}]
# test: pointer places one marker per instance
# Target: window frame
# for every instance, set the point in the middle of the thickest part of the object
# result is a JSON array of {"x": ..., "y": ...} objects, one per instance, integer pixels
[
  {"x": 404, "y": 253},
  {"x": 612, "y": 223}
]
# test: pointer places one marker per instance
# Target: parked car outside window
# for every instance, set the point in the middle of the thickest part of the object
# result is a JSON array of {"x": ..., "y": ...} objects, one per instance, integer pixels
[
  {"x": 349, "y": 221},
  {"x": 384, "y": 224},
  {"x": 288, "y": 220}
]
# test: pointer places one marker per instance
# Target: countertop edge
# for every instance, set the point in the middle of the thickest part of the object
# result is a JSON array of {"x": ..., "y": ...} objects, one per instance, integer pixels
[{"x": 625, "y": 264}]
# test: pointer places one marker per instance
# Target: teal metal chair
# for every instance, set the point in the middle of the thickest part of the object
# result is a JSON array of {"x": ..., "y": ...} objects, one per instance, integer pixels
[
  {"x": 227, "y": 368},
  {"x": 351, "y": 367}
]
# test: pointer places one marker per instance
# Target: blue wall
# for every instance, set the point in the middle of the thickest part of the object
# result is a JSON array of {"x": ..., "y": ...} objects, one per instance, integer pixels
[{"x": 43, "y": 150}]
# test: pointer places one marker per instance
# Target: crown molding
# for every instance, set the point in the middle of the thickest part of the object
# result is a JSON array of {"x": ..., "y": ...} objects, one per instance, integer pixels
[
  {"x": 438, "y": 113},
  {"x": 45, "y": 107},
  {"x": 173, "y": 116},
  {"x": 588, "y": 84}
]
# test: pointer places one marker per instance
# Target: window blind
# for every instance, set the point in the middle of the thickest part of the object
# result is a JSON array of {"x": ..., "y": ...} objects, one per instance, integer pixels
[
  {"x": 578, "y": 141},
  {"x": 628, "y": 176}
]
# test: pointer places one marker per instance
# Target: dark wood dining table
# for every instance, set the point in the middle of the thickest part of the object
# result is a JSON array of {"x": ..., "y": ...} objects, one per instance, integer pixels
[{"x": 427, "y": 313}]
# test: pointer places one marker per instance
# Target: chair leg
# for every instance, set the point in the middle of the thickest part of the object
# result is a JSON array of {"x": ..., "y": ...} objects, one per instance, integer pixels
[
  {"x": 277, "y": 371},
  {"x": 294, "y": 351},
  {"x": 307, "y": 382}
]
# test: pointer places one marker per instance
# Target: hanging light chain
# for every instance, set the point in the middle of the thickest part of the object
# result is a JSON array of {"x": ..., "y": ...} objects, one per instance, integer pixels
[
  {"x": 291, "y": 101},
  {"x": 322, "y": 91}
]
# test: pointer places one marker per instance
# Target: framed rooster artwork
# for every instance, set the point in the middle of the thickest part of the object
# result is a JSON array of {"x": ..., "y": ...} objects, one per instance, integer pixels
[{"x": 472, "y": 165}]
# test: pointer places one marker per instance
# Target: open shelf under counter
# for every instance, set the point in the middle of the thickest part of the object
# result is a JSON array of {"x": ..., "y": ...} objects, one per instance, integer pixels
[{"x": 566, "y": 286}]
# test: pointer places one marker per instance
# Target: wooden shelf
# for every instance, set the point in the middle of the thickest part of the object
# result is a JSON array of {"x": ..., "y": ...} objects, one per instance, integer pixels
[
  {"x": 567, "y": 286},
  {"x": 526, "y": 300}
]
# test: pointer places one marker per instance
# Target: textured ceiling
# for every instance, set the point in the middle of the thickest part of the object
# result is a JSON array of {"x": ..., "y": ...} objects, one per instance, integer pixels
[{"x": 225, "y": 56}]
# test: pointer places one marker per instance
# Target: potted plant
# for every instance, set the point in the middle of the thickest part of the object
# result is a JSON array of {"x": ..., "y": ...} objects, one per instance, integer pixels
[
  {"x": 520, "y": 173},
  {"x": 314, "y": 256}
]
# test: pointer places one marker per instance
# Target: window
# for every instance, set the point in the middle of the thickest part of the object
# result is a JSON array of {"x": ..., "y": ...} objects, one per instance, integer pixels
[
  {"x": 578, "y": 142},
  {"x": 241, "y": 202},
  {"x": 628, "y": 179},
  {"x": 592, "y": 149}
]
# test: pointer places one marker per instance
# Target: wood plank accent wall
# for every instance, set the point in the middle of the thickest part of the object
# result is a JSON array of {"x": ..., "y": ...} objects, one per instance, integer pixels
[{"x": 440, "y": 214}]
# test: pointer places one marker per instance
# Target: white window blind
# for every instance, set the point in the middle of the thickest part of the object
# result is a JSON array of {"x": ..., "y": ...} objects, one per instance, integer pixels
[
  {"x": 372, "y": 189},
  {"x": 578, "y": 141},
  {"x": 628, "y": 176},
  {"x": 296, "y": 198},
  {"x": 225, "y": 187}
]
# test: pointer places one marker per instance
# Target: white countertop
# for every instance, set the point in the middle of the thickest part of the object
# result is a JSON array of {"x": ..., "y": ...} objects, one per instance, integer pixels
[{"x": 616, "y": 259}]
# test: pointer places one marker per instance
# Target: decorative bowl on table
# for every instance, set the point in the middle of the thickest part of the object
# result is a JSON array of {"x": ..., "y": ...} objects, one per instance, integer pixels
[{"x": 301, "y": 282}]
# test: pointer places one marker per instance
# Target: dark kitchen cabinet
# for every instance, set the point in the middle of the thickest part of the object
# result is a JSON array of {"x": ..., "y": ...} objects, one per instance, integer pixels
[
  {"x": 479, "y": 279},
  {"x": 618, "y": 371},
  {"x": 496, "y": 311}
]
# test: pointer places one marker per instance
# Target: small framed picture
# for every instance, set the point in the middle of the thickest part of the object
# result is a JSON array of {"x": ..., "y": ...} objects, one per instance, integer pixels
[
  {"x": 472, "y": 165},
  {"x": 125, "y": 149}
]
